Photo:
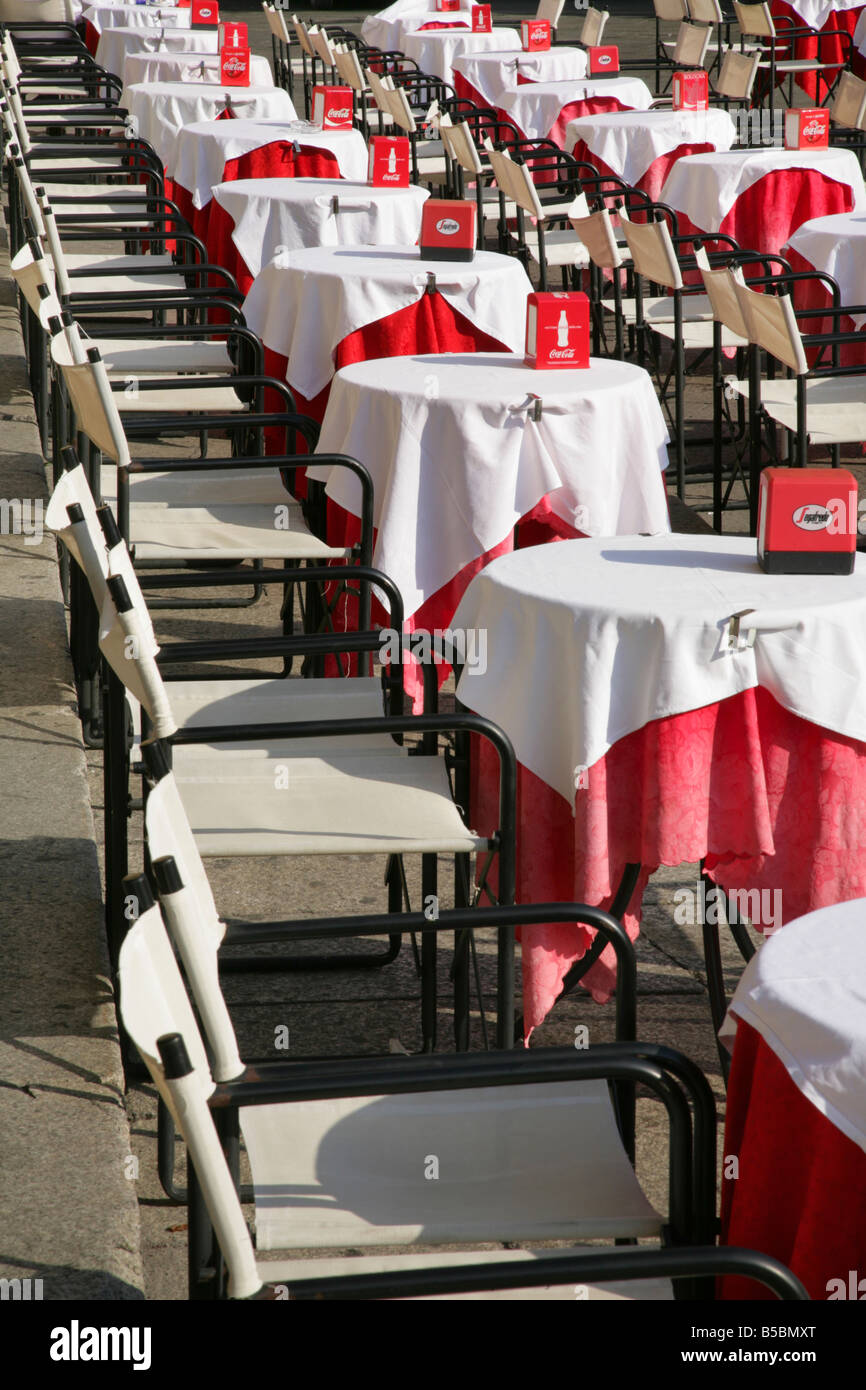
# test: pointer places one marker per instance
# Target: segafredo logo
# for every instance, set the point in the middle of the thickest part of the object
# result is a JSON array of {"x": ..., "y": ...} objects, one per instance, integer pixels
[
  {"x": 447, "y": 226},
  {"x": 812, "y": 517},
  {"x": 603, "y": 60},
  {"x": 205, "y": 12}
]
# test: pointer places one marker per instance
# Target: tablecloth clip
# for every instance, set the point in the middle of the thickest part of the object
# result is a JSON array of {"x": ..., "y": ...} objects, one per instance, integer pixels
[
  {"x": 537, "y": 406},
  {"x": 296, "y": 148},
  {"x": 733, "y": 628},
  {"x": 430, "y": 287},
  {"x": 228, "y": 102},
  {"x": 335, "y": 204}
]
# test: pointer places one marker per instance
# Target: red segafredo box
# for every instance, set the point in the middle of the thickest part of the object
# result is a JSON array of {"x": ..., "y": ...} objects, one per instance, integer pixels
[
  {"x": 807, "y": 521},
  {"x": 557, "y": 330},
  {"x": 602, "y": 60},
  {"x": 807, "y": 130},
  {"x": 204, "y": 12},
  {"x": 691, "y": 91},
  {"x": 389, "y": 161},
  {"x": 447, "y": 6},
  {"x": 228, "y": 29},
  {"x": 535, "y": 35},
  {"x": 332, "y": 107},
  {"x": 448, "y": 230},
  {"x": 235, "y": 67},
  {"x": 482, "y": 21}
]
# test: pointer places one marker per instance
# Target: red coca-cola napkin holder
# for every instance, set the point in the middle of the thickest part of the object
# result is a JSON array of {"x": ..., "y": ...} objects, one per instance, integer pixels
[
  {"x": 806, "y": 129},
  {"x": 602, "y": 60},
  {"x": 235, "y": 66},
  {"x": 228, "y": 29},
  {"x": 332, "y": 108},
  {"x": 557, "y": 330},
  {"x": 535, "y": 35},
  {"x": 482, "y": 20},
  {"x": 448, "y": 230},
  {"x": 389, "y": 161},
  {"x": 447, "y": 6},
  {"x": 807, "y": 521},
  {"x": 691, "y": 91}
]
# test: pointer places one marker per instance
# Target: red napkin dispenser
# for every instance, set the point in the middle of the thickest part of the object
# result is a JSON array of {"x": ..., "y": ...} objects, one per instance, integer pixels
[
  {"x": 535, "y": 35},
  {"x": 447, "y": 6},
  {"x": 228, "y": 30},
  {"x": 235, "y": 66},
  {"x": 557, "y": 330},
  {"x": 807, "y": 130},
  {"x": 691, "y": 91},
  {"x": 204, "y": 12},
  {"x": 448, "y": 230},
  {"x": 333, "y": 107},
  {"x": 482, "y": 20},
  {"x": 389, "y": 161},
  {"x": 602, "y": 60},
  {"x": 807, "y": 521}
]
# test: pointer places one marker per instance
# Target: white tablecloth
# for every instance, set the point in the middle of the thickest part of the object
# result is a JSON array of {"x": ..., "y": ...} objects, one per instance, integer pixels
[
  {"x": 115, "y": 45},
  {"x": 630, "y": 141},
  {"x": 837, "y": 245},
  {"x": 389, "y": 27},
  {"x": 162, "y": 109},
  {"x": 203, "y": 150},
  {"x": 804, "y": 993},
  {"x": 588, "y": 641},
  {"x": 270, "y": 214},
  {"x": 491, "y": 74},
  {"x": 457, "y": 459},
  {"x": 303, "y": 305},
  {"x": 706, "y": 186},
  {"x": 860, "y": 33},
  {"x": 535, "y": 107},
  {"x": 816, "y": 13},
  {"x": 189, "y": 67},
  {"x": 435, "y": 50},
  {"x": 103, "y": 17}
]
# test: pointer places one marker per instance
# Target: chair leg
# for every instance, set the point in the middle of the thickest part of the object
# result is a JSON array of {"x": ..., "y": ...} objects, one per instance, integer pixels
[{"x": 429, "y": 881}]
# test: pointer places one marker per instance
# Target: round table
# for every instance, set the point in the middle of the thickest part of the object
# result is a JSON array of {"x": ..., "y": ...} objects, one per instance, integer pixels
[
  {"x": 457, "y": 458},
  {"x": 483, "y": 77},
  {"x": 796, "y": 1104},
  {"x": 162, "y": 109},
  {"x": 211, "y": 152},
  {"x": 542, "y": 110},
  {"x": 822, "y": 15},
  {"x": 192, "y": 66},
  {"x": 100, "y": 17},
  {"x": 642, "y": 147},
  {"x": 317, "y": 310},
  {"x": 858, "y": 50},
  {"x": 644, "y": 736},
  {"x": 389, "y": 28},
  {"x": 253, "y": 220},
  {"x": 761, "y": 197},
  {"x": 836, "y": 245},
  {"x": 115, "y": 45},
  {"x": 435, "y": 50}
]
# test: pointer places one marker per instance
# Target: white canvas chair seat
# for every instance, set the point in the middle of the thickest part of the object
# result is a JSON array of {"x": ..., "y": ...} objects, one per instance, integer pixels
[
  {"x": 244, "y": 799},
  {"x": 289, "y": 1271},
  {"x": 228, "y": 531},
  {"x": 162, "y": 356},
  {"x": 350, "y": 1172},
  {"x": 795, "y": 64},
  {"x": 110, "y": 284},
  {"x": 659, "y": 309},
  {"x": 697, "y": 335},
  {"x": 835, "y": 406},
  {"x": 561, "y": 247},
  {"x": 67, "y": 155},
  {"x": 111, "y": 263},
  {"x": 213, "y": 398},
  {"x": 260, "y": 486}
]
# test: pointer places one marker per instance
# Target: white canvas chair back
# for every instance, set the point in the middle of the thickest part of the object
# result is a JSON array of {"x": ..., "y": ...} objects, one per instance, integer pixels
[
  {"x": 193, "y": 920},
  {"x": 652, "y": 251},
  {"x": 515, "y": 181},
  {"x": 33, "y": 276},
  {"x": 755, "y": 20},
  {"x": 737, "y": 75},
  {"x": 16, "y": 126},
  {"x": 691, "y": 46},
  {"x": 323, "y": 48},
  {"x": 721, "y": 288},
  {"x": 401, "y": 111},
  {"x": 849, "y": 102},
  {"x": 593, "y": 26},
  {"x": 154, "y": 1005},
  {"x": 381, "y": 91},
  {"x": 772, "y": 325},
  {"x": 550, "y": 9},
  {"x": 281, "y": 28},
  {"x": 271, "y": 17},
  {"x": 349, "y": 68},
  {"x": 671, "y": 11},
  {"x": 37, "y": 12},
  {"x": 9, "y": 61},
  {"x": 303, "y": 35},
  {"x": 705, "y": 11},
  {"x": 461, "y": 147},
  {"x": 595, "y": 230},
  {"x": 89, "y": 390}
]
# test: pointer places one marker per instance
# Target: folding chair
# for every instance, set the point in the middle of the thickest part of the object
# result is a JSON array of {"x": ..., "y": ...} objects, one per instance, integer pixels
[
  {"x": 351, "y": 1137},
  {"x": 667, "y": 12},
  {"x": 848, "y": 113},
  {"x": 551, "y": 10},
  {"x": 544, "y": 246},
  {"x": 756, "y": 22},
  {"x": 594, "y": 24}
]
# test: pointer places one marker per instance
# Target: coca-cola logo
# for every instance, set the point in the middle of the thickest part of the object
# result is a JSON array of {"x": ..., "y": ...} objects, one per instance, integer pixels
[
  {"x": 447, "y": 226},
  {"x": 338, "y": 113},
  {"x": 812, "y": 516},
  {"x": 233, "y": 64},
  {"x": 562, "y": 352},
  {"x": 813, "y": 130}
]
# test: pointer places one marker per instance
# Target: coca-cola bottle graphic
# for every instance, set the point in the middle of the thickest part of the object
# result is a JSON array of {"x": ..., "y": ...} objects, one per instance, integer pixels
[
  {"x": 392, "y": 163},
  {"x": 562, "y": 330}
]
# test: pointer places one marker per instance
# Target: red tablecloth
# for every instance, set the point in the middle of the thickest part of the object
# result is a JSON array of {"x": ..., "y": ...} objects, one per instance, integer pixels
[
  {"x": 800, "y": 1193},
  {"x": 651, "y": 182},
  {"x": 767, "y": 798},
  {"x": 766, "y": 215},
  {"x": 811, "y": 294},
  {"x": 834, "y": 49}
]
